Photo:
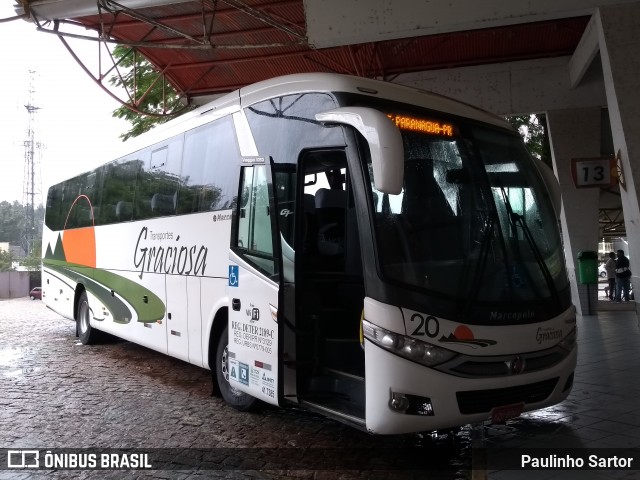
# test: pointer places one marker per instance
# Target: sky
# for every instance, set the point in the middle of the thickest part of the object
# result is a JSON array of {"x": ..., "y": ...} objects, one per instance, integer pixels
[{"x": 73, "y": 124}]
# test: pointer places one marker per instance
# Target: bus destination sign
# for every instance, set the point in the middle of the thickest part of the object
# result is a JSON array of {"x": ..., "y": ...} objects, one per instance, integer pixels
[{"x": 422, "y": 125}]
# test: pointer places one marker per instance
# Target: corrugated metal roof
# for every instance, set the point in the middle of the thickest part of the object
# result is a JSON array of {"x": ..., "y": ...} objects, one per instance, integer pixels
[{"x": 221, "y": 46}]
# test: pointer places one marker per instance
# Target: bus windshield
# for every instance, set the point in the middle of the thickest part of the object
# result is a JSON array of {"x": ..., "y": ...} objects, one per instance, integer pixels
[{"x": 473, "y": 219}]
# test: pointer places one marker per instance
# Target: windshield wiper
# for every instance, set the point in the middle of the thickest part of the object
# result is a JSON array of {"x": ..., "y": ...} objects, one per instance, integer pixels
[
  {"x": 479, "y": 271},
  {"x": 516, "y": 219}
]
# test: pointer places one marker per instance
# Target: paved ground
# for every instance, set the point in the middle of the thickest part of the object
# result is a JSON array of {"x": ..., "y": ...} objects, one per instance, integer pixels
[
  {"x": 602, "y": 414},
  {"x": 57, "y": 393}
]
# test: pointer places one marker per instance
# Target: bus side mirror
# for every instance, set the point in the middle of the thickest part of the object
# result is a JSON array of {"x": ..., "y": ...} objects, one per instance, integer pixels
[{"x": 384, "y": 139}]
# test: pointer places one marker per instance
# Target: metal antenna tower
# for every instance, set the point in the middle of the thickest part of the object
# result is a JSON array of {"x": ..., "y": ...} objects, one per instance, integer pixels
[{"x": 31, "y": 188}]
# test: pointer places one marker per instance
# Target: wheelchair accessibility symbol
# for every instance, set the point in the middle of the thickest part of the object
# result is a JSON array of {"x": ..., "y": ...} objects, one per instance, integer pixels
[{"x": 233, "y": 275}]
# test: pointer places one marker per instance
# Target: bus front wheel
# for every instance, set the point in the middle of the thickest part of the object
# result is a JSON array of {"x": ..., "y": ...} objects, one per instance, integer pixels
[
  {"x": 87, "y": 334},
  {"x": 232, "y": 396}
]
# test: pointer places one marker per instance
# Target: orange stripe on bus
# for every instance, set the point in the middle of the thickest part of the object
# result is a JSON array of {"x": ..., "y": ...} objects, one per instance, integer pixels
[{"x": 80, "y": 246}]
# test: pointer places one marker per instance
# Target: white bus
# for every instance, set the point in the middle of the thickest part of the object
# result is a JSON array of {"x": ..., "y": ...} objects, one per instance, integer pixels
[{"x": 385, "y": 256}]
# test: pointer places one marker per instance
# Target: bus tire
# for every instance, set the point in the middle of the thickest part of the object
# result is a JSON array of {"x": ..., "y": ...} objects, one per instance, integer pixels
[
  {"x": 87, "y": 334},
  {"x": 235, "y": 398}
]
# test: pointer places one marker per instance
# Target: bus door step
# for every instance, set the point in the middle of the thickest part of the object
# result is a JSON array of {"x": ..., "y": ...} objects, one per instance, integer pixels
[
  {"x": 343, "y": 412},
  {"x": 339, "y": 387}
]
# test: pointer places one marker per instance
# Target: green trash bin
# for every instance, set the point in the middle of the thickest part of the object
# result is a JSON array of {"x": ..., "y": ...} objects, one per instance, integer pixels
[{"x": 587, "y": 267}]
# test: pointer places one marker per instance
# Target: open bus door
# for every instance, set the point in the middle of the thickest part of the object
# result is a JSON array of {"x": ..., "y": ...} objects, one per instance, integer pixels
[{"x": 255, "y": 277}]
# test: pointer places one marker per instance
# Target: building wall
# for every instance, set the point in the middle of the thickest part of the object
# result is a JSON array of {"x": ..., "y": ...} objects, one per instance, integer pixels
[{"x": 14, "y": 284}]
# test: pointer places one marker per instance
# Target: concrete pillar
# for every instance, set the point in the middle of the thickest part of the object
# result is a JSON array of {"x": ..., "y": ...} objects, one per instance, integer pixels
[
  {"x": 620, "y": 54},
  {"x": 576, "y": 134}
]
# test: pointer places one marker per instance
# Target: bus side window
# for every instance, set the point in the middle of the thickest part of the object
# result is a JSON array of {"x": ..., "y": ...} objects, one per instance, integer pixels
[
  {"x": 284, "y": 185},
  {"x": 164, "y": 175},
  {"x": 79, "y": 192},
  {"x": 330, "y": 210},
  {"x": 326, "y": 201},
  {"x": 119, "y": 189},
  {"x": 310, "y": 225},
  {"x": 158, "y": 180},
  {"x": 209, "y": 176},
  {"x": 253, "y": 239}
]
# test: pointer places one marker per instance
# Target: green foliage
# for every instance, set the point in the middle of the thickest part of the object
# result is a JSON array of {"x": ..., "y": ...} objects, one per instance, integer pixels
[
  {"x": 533, "y": 129},
  {"x": 33, "y": 262},
  {"x": 158, "y": 98},
  {"x": 13, "y": 230},
  {"x": 6, "y": 260},
  {"x": 12, "y": 222}
]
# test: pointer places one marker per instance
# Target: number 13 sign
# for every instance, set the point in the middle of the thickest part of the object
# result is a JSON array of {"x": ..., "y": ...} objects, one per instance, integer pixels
[{"x": 594, "y": 172}]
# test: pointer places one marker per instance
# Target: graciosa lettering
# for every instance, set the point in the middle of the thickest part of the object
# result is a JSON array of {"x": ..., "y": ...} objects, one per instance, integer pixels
[{"x": 180, "y": 259}]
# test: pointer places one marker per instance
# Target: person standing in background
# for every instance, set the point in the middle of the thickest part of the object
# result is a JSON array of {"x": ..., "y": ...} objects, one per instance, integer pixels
[
  {"x": 623, "y": 274},
  {"x": 610, "y": 267}
]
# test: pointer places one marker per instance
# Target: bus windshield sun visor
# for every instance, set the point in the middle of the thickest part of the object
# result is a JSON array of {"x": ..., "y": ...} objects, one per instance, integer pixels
[{"x": 384, "y": 139}]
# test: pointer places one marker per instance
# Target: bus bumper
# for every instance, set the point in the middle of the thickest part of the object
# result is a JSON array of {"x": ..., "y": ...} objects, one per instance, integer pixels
[{"x": 438, "y": 398}]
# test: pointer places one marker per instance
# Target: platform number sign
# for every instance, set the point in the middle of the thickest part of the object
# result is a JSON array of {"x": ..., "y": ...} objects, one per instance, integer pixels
[{"x": 593, "y": 172}]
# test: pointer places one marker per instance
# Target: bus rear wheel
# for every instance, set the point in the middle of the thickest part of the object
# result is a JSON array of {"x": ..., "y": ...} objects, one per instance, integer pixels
[
  {"x": 232, "y": 396},
  {"x": 87, "y": 334}
]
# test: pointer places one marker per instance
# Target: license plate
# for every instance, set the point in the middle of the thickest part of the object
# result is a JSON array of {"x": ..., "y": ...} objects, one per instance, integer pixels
[{"x": 505, "y": 412}]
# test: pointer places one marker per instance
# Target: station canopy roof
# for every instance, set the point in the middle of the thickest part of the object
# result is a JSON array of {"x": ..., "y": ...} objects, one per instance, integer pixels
[{"x": 206, "y": 47}]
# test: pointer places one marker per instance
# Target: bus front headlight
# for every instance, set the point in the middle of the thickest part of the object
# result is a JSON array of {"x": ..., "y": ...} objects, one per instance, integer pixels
[
  {"x": 569, "y": 342},
  {"x": 407, "y": 347}
]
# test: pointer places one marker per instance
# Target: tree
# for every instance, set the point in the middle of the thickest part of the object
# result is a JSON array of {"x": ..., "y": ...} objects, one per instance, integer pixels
[
  {"x": 148, "y": 90},
  {"x": 533, "y": 129},
  {"x": 34, "y": 259},
  {"x": 12, "y": 222},
  {"x": 6, "y": 261},
  {"x": 13, "y": 230}
]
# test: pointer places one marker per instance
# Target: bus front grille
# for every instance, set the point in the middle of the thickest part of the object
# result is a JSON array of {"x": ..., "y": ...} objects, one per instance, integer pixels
[
  {"x": 481, "y": 401},
  {"x": 499, "y": 367}
]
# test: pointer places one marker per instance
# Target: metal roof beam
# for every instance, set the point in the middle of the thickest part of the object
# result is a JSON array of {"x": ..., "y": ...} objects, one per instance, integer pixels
[
  {"x": 59, "y": 9},
  {"x": 108, "y": 4},
  {"x": 198, "y": 15},
  {"x": 266, "y": 18}
]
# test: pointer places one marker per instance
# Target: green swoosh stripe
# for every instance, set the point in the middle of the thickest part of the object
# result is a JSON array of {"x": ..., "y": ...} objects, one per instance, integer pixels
[{"x": 147, "y": 305}]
